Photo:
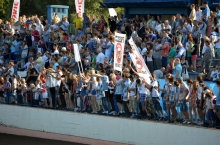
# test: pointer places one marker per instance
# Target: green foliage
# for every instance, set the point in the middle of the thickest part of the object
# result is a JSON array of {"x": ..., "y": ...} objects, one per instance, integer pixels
[
  {"x": 3, "y": 8},
  {"x": 39, "y": 7}
]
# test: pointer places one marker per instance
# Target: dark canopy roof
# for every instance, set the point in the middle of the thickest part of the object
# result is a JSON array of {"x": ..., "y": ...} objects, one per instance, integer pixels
[{"x": 145, "y": 3}]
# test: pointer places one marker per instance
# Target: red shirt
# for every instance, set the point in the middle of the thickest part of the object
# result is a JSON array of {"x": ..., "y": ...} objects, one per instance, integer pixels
[{"x": 36, "y": 38}]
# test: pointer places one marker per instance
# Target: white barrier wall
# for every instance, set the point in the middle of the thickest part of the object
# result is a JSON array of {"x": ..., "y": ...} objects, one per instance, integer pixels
[{"x": 122, "y": 130}]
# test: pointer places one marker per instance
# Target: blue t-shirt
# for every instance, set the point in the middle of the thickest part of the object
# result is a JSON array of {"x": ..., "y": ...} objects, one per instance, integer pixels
[
  {"x": 55, "y": 66},
  {"x": 206, "y": 12},
  {"x": 178, "y": 68}
]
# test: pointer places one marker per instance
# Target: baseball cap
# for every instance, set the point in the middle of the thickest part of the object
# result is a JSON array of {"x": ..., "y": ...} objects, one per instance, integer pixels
[{"x": 205, "y": 2}]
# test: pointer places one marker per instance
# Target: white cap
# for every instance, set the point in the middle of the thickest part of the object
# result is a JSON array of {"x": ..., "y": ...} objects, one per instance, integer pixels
[{"x": 63, "y": 49}]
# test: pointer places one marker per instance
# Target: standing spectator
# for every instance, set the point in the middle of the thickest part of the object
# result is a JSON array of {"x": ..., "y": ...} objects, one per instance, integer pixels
[
  {"x": 150, "y": 64},
  {"x": 39, "y": 27},
  {"x": 99, "y": 59},
  {"x": 86, "y": 22},
  {"x": 112, "y": 25},
  {"x": 157, "y": 54},
  {"x": 36, "y": 35},
  {"x": 177, "y": 72},
  {"x": 207, "y": 58},
  {"x": 198, "y": 13},
  {"x": 7, "y": 90},
  {"x": 206, "y": 12},
  {"x": 192, "y": 15},
  {"x": 65, "y": 24},
  {"x": 141, "y": 30},
  {"x": 183, "y": 93},
  {"x": 28, "y": 38},
  {"x": 164, "y": 53},
  {"x": 78, "y": 23},
  {"x": 192, "y": 99}
]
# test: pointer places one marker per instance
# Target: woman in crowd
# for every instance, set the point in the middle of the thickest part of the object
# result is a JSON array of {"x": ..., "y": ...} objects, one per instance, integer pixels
[{"x": 193, "y": 92}]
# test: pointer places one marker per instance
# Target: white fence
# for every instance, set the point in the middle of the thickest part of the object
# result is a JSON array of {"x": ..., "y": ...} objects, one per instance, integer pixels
[{"x": 115, "y": 129}]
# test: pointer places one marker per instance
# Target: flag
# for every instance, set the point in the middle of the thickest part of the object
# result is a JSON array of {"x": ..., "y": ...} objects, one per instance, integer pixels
[
  {"x": 15, "y": 10},
  {"x": 80, "y": 6},
  {"x": 119, "y": 51},
  {"x": 76, "y": 53},
  {"x": 138, "y": 62}
]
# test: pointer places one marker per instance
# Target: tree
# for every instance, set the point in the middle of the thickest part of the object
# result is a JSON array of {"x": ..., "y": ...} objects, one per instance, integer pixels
[
  {"x": 3, "y": 8},
  {"x": 39, "y": 7}
]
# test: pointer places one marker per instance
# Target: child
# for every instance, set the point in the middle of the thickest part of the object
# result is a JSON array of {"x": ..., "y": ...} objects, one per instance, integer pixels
[{"x": 214, "y": 74}]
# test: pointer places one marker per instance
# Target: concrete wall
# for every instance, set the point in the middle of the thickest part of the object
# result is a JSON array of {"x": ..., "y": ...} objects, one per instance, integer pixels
[{"x": 106, "y": 128}]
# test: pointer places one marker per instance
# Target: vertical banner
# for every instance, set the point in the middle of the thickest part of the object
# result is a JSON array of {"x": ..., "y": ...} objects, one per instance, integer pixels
[
  {"x": 119, "y": 51},
  {"x": 15, "y": 10},
  {"x": 138, "y": 62},
  {"x": 80, "y": 6},
  {"x": 76, "y": 52}
]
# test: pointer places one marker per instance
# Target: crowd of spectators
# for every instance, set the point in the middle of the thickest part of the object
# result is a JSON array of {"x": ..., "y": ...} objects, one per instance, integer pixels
[{"x": 38, "y": 66}]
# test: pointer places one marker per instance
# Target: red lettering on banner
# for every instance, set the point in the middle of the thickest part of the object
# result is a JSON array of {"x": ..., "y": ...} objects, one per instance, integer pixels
[
  {"x": 16, "y": 4},
  {"x": 80, "y": 1},
  {"x": 15, "y": 9}
]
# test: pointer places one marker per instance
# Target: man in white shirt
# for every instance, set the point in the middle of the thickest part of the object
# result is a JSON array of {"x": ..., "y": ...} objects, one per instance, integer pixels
[
  {"x": 192, "y": 15},
  {"x": 198, "y": 13},
  {"x": 39, "y": 27},
  {"x": 100, "y": 59}
]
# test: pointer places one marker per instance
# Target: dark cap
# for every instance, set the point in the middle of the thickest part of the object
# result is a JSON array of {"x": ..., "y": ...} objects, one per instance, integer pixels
[{"x": 205, "y": 2}]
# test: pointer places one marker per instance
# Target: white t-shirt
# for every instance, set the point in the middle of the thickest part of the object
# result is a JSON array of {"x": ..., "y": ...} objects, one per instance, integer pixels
[
  {"x": 200, "y": 90},
  {"x": 100, "y": 58},
  {"x": 155, "y": 92},
  {"x": 183, "y": 89},
  {"x": 209, "y": 102},
  {"x": 142, "y": 89},
  {"x": 58, "y": 82},
  {"x": 39, "y": 28},
  {"x": 198, "y": 15}
]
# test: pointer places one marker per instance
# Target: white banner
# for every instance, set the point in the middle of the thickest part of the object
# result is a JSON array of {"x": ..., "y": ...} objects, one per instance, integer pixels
[
  {"x": 76, "y": 52},
  {"x": 138, "y": 62},
  {"x": 15, "y": 10},
  {"x": 112, "y": 12},
  {"x": 80, "y": 6},
  {"x": 119, "y": 51}
]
